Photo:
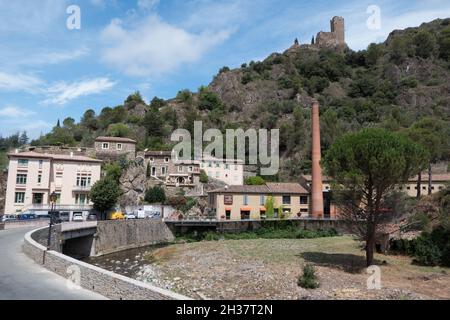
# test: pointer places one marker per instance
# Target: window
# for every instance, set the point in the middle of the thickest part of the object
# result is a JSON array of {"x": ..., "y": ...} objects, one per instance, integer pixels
[
  {"x": 228, "y": 199},
  {"x": 228, "y": 214},
  {"x": 227, "y": 166},
  {"x": 303, "y": 199},
  {"x": 217, "y": 164},
  {"x": 408, "y": 187},
  {"x": 190, "y": 169},
  {"x": 19, "y": 197},
  {"x": 180, "y": 168},
  {"x": 153, "y": 171},
  {"x": 424, "y": 188},
  {"x": 105, "y": 145},
  {"x": 119, "y": 146},
  {"x": 22, "y": 162},
  {"x": 327, "y": 188},
  {"x": 83, "y": 180},
  {"x": 21, "y": 179},
  {"x": 209, "y": 164},
  {"x": 81, "y": 198},
  {"x": 166, "y": 159},
  {"x": 40, "y": 164},
  {"x": 163, "y": 171},
  {"x": 152, "y": 159},
  {"x": 245, "y": 199},
  {"x": 286, "y": 199},
  {"x": 39, "y": 178},
  {"x": 303, "y": 210},
  {"x": 262, "y": 200}
]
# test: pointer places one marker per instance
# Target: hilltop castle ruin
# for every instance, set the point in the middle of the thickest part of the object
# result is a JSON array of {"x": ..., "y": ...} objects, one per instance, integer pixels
[{"x": 334, "y": 39}]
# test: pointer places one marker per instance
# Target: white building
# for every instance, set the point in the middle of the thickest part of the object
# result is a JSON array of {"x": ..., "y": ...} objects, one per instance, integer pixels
[
  {"x": 33, "y": 176},
  {"x": 230, "y": 171}
]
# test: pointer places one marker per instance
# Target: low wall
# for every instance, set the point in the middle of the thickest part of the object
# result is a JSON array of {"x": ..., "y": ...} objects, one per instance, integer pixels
[
  {"x": 106, "y": 283},
  {"x": 26, "y": 224},
  {"x": 187, "y": 226},
  {"x": 113, "y": 236}
]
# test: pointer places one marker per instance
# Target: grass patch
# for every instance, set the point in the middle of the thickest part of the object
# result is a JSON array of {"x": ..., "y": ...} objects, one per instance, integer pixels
[{"x": 288, "y": 232}]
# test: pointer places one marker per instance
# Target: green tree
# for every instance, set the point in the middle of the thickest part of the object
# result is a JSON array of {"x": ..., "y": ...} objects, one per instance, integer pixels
[
  {"x": 203, "y": 177},
  {"x": 155, "y": 195},
  {"x": 432, "y": 134},
  {"x": 208, "y": 100},
  {"x": 270, "y": 207},
  {"x": 444, "y": 44},
  {"x": 113, "y": 170},
  {"x": 365, "y": 167},
  {"x": 425, "y": 44},
  {"x": 153, "y": 123},
  {"x": 23, "y": 140},
  {"x": 104, "y": 194},
  {"x": 118, "y": 130},
  {"x": 254, "y": 181}
]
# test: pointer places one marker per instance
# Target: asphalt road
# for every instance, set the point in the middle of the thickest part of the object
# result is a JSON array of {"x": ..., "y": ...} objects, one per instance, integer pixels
[{"x": 22, "y": 278}]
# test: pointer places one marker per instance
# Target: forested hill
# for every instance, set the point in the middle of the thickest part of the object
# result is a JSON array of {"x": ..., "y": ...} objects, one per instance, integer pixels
[{"x": 401, "y": 84}]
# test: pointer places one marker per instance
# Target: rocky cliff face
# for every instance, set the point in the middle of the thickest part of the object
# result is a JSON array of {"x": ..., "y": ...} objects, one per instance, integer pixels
[
  {"x": 3, "y": 177},
  {"x": 133, "y": 183}
]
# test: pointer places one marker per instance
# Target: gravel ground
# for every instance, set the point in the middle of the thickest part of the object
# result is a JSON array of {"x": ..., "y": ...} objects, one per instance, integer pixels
[{"x": 268, "y": 269}]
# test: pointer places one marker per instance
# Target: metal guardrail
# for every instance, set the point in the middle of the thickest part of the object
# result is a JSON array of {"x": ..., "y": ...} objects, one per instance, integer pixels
[{"x": 58, "y": 207}]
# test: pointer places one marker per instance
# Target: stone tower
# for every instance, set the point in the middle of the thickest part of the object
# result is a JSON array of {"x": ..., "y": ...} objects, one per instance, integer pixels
[
  {"x": 337, "y": 27},
  {"x": 316, "y": 174}
]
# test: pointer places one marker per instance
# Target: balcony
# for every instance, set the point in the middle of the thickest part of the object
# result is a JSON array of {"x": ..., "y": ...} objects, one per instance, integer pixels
[{"x": 82, "y": 188}]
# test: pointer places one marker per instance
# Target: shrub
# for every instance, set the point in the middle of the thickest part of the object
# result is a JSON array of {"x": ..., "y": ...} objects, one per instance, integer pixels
[
  {"x": 309, "y": 279},
  {"x": 155, "y": 195},
  {"x": 203, "y": 177},
  {"x": 254, "y": 181}
]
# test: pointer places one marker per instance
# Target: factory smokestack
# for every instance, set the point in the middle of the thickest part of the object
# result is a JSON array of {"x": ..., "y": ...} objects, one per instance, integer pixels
[{"x": 316, "y": 175}]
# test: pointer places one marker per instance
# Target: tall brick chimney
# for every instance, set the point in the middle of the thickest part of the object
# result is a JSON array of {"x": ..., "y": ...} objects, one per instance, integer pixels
[{"x": 316, "y": 179}]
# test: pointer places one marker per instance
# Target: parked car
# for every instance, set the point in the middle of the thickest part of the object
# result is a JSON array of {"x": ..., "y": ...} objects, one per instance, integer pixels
[
  {"x": 26, "y": 216},
  {"x": 116, "y": 215},
  {"x": 155, "y": 215},
  {"x": 77, "y": 217},
  {"x": 91, "y": 217},
  {"x": 63, "y": 216},
  {"x": 9, "y": 217},
  {"x": 130, "y": 216}
]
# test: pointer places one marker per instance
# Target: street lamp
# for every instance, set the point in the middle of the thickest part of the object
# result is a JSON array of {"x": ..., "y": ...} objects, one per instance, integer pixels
[{"x": 53, "y": 198}]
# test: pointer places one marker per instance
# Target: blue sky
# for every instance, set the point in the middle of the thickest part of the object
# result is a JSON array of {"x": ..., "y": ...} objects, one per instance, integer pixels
[{"x": 48, "y": 72}]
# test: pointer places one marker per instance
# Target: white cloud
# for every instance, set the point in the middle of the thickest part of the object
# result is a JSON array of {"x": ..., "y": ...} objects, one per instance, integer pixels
[
  {"x": 53, "y": 57},
  {"x": 19, "y": 82},
  {"x": 15, "y": 112},
  {"x": 31, "y": 16},
  {"x": 147, "y": 4},
  {"x": 62, "y": 92},
  {"x": 154, "y": 47}
]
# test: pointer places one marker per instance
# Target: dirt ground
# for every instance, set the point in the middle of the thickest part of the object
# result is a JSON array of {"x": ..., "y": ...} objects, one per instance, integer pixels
[{"x": 268, "y": 269}]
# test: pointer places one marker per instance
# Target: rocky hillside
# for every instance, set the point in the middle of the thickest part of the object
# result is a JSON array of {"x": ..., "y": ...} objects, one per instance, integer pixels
[{"x": 395, "y": 84}]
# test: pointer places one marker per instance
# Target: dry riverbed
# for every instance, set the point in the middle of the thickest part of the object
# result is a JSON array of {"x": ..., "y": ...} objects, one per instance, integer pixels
[{"x": 269, "y": 268}]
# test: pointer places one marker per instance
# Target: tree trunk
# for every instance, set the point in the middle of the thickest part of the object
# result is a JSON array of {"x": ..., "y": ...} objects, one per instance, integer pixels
[
  {"x": 419, "y": 182},
  {"x": 429, "y": 178},
  {"x": 370, "y": 244}
]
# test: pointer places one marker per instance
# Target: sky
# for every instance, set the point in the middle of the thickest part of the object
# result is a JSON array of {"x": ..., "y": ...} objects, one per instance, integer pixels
[{"x": 54, "y": 65}]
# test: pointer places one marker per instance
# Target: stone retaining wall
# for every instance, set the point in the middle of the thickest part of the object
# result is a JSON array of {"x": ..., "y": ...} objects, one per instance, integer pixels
[
  {"x": 118, "y": 235},
  {"x": 106, "y": 283}
]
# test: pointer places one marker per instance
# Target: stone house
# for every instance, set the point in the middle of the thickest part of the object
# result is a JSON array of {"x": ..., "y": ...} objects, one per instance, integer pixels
[
  {"x": 112, "y": 148},
  {"x": 170, "y": 171}
]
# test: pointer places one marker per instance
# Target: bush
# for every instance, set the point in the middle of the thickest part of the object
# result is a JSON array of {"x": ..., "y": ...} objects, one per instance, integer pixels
[
  {"x": 155, "y": 195},
  {"x": 203, "y": 177},
  {"x": 309, "y": 279},
  {"x": 254, "y": 181}
]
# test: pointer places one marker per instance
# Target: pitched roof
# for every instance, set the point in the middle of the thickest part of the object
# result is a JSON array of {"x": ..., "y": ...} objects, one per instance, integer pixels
[
  {"x": 158, "y": 153},
  {"x": 287, "y": 187},
  {"x": 268, "y": 188},
  {"x": 115, "y": 139},
  {"x": 65, "y": 157}
]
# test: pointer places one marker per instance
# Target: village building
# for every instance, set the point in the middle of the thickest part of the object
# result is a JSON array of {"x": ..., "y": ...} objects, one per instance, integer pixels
[
  {"x": 246, "y": 202},
  {"x": 33, "y": 176},
  {"x": 113, "y": 148},
  {"x": 178, "y": 173},
  {"x": 229, "y": 171}
]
